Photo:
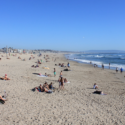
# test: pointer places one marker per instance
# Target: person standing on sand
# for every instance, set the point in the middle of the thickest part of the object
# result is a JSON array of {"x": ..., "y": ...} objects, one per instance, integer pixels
[
  {"x": 62, "y": 83},
  {"x": 109, "y": 65},
  {"x": 54, "y": 72},
  {"x": 102, "y": 66},
  {"x": 121, "y": 70}
]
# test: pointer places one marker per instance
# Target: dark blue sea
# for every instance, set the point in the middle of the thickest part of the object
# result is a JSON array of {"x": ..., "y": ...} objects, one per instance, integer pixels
[{"x": 115, "y": 59}]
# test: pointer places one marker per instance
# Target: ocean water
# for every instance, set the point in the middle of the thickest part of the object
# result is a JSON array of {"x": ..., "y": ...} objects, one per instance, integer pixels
[{"x": 115, "y": 59}]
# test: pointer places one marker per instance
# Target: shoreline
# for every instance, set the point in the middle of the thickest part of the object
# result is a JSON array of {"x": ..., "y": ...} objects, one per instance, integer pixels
[{"x": 98, "y": 65}]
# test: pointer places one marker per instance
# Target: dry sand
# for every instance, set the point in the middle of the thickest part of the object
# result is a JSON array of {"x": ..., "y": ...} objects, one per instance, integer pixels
[{"x": 75, "y": 105}]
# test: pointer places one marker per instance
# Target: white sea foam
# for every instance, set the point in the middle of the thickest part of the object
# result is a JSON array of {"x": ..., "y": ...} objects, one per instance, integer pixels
[
  {"x": 100, "y": 63},
  {"x": 99, "y": 56}
]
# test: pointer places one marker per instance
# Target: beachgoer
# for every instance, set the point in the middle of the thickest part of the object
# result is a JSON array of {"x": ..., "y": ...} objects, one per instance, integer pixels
[
  {"x": 51, "y": 85},
  {"x": 95, "y": 86},
  {"x": 68, "y": 64},
  {"x": 47, "y": 91},
  {"x": 5, "y": 77},
  {"x": 47, "y": 74},
  {"x": 121, "y": 70},
  {"x": 116, "y": 69},
  {"x": 41, "y": 88},
  {"x": 62, "y": 83},
  {"x": 2, "y": 100},
  {"x": 102, "y": 66},
  {"x": 109, "y": 65},
  {"x": 54, "y": 72},
  {"x": 65, "y": 80},
  {"x": 59, "y": 80},
  {"x": 99, "y": 92}
]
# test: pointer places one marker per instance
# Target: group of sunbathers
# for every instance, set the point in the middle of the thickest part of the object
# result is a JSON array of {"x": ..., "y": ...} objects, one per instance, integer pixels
[{"x": 45, "y": 88}]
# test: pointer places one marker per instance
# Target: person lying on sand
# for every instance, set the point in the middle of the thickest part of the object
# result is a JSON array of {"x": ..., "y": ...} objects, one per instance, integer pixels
[
  {"x": 19, "y": 57},
  {"x": 35, "y": 66},
  {"x": 47, "y": 75},
  {"x": 2, "y": 100},
  {"x": 47, "y": 91},
  {"x": 5, "y": 77},
  {"x": 95, "y": 86},
  {"x": 67, "y": 69},
  {"x": 39, "y": 62},
  {"x": 99, "y": 92}
]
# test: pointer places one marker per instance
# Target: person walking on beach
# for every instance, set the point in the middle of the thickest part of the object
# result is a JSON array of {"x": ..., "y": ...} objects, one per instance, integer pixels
[
  {"x": 54, "y": 72},
  {"x": 109, "y": 65},
  {"x": 121, "y": 70}
]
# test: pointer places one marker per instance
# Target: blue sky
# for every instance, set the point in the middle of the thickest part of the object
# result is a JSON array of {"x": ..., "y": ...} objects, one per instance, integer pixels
[{"x": 74, "y": 25}]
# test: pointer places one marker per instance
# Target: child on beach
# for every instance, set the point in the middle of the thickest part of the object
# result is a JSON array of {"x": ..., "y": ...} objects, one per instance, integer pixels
[{"x": 54, "y": 72}]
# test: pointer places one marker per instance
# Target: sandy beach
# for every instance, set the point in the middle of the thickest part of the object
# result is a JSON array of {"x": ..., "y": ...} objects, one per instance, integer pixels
[{"x": 75, "y": 105}]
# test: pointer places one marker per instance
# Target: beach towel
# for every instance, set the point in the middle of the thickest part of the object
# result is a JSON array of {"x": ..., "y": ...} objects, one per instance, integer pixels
[
  {"x": 67, "y": 82},
  {"x": 41, "y": 76},
  {"x": 45, "y": 67}
]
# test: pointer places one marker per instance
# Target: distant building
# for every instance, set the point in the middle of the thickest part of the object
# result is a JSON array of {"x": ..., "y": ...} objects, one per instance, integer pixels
[{"x": 20, "y": 50}]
